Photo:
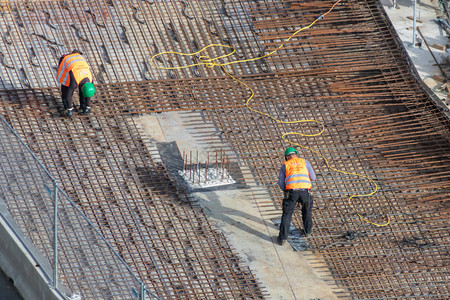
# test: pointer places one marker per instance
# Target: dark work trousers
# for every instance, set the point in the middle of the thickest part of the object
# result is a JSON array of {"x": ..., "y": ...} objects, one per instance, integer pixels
[
  {"x": 289, "y": 202},
  {"x": 67, "y": 93}
]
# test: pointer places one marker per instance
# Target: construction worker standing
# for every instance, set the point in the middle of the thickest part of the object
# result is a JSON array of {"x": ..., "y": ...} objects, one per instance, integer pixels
[
  {"x": 295, "y": 178},
  {"x": 73, "y": 72}
]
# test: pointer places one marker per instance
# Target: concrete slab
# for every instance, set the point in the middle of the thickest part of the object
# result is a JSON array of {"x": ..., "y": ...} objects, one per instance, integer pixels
[
  {"x": 427, "y": 12},
  {"x": 8, "y": 291},
  {"x": 18, "y": 260}
]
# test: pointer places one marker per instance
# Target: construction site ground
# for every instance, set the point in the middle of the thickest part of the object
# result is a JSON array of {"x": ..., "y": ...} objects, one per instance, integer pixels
[
  {"x": 386, "y": 135},
  {"x": 287, "y": 274}
]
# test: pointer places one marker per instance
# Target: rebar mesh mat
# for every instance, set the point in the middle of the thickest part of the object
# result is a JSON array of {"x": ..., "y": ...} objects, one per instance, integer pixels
[{"x": 348, "y": 72}]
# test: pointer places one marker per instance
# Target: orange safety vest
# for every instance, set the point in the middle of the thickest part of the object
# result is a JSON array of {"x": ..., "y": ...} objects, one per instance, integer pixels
[
  {"x": 297, "y": 175},
  {"x": 75, "y": 63}
]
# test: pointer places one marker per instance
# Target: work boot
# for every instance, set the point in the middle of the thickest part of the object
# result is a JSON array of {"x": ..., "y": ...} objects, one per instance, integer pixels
[
  {"x": 86, "y": 111},
  {"x": 68, "y": 112},
  {"x": 280, "y": 241}
]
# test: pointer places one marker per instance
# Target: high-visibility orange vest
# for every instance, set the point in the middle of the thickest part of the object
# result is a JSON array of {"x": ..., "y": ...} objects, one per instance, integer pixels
[
  {"x": 75, "y": 63},
  {"x": 297, "y": 175}
]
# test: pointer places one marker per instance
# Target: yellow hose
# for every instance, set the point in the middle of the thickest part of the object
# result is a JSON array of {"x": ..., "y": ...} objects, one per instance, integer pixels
[{"x": 214, "y": 62}]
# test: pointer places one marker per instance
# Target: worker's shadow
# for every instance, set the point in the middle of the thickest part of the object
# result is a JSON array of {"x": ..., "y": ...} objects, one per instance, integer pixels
[
  {"x": 45, "y": 103},
  {"x": 211, "y": 201}
]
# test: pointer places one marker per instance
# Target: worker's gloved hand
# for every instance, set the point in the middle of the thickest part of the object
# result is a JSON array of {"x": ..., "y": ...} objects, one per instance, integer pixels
[{"x": 286, "y": 194}]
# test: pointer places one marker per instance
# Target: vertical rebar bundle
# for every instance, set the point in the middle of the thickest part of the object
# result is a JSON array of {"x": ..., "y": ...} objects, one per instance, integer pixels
[{"x": 207, "y": 174}]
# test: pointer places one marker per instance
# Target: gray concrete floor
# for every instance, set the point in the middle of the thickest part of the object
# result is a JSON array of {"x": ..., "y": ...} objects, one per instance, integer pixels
[{"x": 7, "y": 289}]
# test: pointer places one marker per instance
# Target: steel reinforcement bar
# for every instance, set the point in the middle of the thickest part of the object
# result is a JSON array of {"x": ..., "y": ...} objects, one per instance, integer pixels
[{"x": 348, "y": 72}]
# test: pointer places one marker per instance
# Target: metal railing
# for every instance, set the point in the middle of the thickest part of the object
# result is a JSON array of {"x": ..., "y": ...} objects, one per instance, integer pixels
[{"x": 79, "y": 256}]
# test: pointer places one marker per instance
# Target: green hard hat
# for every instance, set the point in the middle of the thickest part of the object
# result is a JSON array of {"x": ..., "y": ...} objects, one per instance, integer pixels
[
  {"x": 290, "y": 150},
  {"x": 88, "y": 90}
]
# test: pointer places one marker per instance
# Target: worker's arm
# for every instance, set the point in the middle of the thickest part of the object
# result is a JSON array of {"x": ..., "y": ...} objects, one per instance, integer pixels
[
  {"x": 312, "y": 175},
  {"x": 282, "y": 177}
]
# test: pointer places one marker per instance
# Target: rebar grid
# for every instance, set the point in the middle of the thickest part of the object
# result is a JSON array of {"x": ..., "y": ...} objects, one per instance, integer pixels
[
  {"x": 118, "y": 38},
  {"x": 107, "y": 169},
  {"x": 348, "y": 72},
  {"x": 378, "y": 123}
]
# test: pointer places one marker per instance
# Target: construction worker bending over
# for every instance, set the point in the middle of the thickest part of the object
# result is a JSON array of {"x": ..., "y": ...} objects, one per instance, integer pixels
[
  {"x": 295, "y": 178},
  {"x": 73, "y": 72}
]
